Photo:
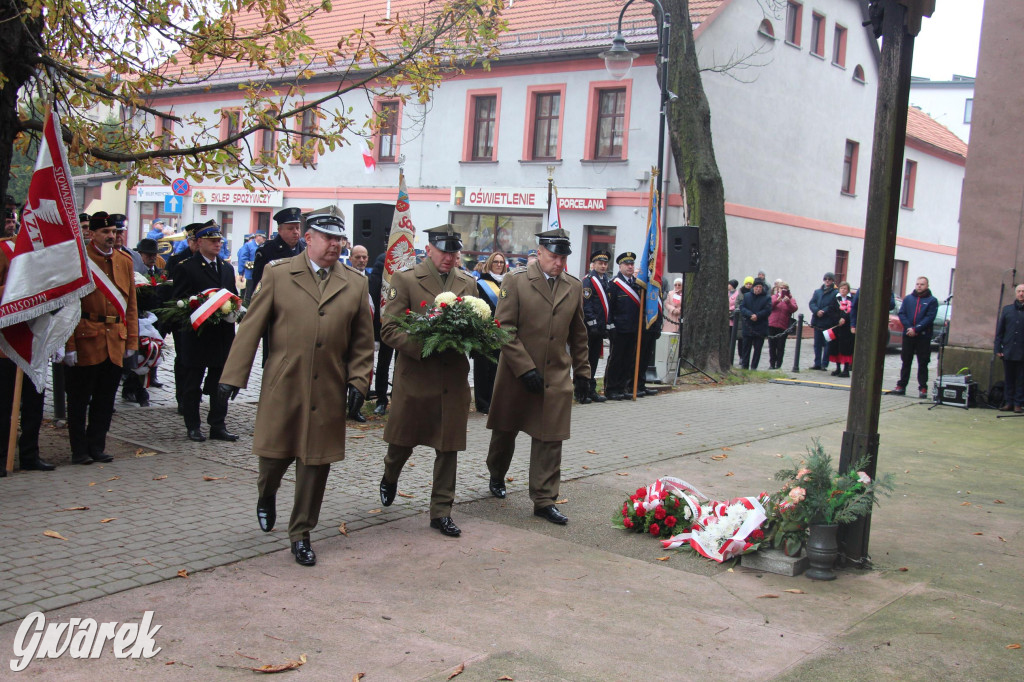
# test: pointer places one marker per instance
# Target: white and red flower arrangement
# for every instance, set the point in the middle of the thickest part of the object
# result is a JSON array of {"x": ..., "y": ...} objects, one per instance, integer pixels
[{"x": 209, "y": 307}]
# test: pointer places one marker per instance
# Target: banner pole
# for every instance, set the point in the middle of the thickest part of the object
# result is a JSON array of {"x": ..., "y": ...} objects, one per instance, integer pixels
[{"x": 12, "y": 436}]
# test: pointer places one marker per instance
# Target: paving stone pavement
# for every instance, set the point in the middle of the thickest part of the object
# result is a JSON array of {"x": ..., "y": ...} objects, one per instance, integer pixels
[{"x": 187, "y": 506}]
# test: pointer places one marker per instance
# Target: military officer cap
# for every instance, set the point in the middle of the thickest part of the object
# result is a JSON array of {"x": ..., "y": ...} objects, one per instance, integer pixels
[
  {"x": 120, "y": 221},
  {"x": 328, "y": 220},
  {"x": 190, "y": 230},
  {"x": 555, "y": 241},
  {"x": 99, "y": 220},
  {"x": 83, "y": 217},
  {"x": 625, "y": 256},
  {"x": 288, "y": 215},
  {"x": 147, "y": 246},
  {"x": 532, "y": 252},
  {"x": 445, "y": 238},
  {"x": 209, "y": 230},
  {"x": 600, "y": 254}
]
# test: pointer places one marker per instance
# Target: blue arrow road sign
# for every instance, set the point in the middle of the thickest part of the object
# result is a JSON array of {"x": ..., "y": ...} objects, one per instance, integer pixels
[{"x": 172, "y": 203}]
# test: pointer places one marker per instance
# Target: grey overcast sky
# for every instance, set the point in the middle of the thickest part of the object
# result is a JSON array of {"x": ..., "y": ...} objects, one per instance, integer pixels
[{"x": 948, "y": 41}]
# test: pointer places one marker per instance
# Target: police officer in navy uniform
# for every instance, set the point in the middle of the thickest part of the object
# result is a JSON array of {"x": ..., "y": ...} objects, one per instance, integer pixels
[
  {"x": 595, "y": 312},
  {"x": 204, "y": 354},
  {"x": 285, "y": 244},
  {"x": 624, "y": 313}
]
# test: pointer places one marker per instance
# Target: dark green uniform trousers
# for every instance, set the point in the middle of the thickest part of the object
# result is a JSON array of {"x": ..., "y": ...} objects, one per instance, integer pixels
[
  {"x": 445, "y": 467},
  {"x": 310, "y": 483},
  {"x": 545, "y": 465}
]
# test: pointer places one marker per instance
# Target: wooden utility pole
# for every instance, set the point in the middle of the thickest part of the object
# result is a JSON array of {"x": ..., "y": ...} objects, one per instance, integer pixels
[{"x": 896, "y": 22}]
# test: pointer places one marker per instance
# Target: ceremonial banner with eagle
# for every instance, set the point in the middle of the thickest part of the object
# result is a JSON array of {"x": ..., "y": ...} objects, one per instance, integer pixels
[{"x": 48, "y": 272}]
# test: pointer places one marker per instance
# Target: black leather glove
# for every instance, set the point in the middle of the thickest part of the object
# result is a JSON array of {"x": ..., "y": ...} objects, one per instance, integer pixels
[
  {"x": 582, "y": 390},
  {"x": 533, "y": 381},
  {"x": 355, "y": 401},
  {"x": 226, "y": 391}
]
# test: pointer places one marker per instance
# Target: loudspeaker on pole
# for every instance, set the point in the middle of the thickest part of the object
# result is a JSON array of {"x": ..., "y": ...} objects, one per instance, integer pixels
[{"x": 682, "y": 249}]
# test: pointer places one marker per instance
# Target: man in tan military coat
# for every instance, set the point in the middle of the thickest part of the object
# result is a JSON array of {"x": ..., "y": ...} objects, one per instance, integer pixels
[
  {"x": 95, "y": 353},
  {"x": 533, "y": 390},
  {"x": 320, "y": 334},
  {"x": 430, "y": 398}
]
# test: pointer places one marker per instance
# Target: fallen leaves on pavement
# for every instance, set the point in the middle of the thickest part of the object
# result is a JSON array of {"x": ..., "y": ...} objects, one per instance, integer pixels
[
  {"x": 114, "y": 478},
  {"x": 374, "y": 511},
  {"x": 160, "y": 478},
  {"x": 662, "y": 558},
  {"x": 112, "y": 518},
  {"x": 343, "y": 530},
  {"x": 795, "y": 591},
  {"x": 591, "y": 452},
  {"x": 622, "y": 473},
  {"x": 401, "y": 494},
  {"x": 458, "y": 671},
  {"x": 1013, "y": 646},
  {"x": 358, "y": 676},
  {"x": 183, "y": 573},
  {"x": 564, "y": 500},
  {"x": 74, "y": 509},
  {"x": 719, "y": 458},
  {"x": 280, "y": 667},
  {"x": 214, "y": 478},
  {"x": 768, "y": 596},
  {"x": 53, "y": 534}
]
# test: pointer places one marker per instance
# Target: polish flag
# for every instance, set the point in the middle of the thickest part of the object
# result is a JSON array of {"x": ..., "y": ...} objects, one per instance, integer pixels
[{"x": 369, "y": 162}]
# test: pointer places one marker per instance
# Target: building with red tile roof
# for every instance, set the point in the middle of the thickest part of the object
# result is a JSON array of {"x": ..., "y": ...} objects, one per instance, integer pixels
[{"x": 792, "y": 96}]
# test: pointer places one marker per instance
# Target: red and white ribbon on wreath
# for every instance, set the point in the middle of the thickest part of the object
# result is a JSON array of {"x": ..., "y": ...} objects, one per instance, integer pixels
[
  {"x": 108, "y": 289},
  {"x": 217, "y": 298},
  {"x": 713, "y": 513}
]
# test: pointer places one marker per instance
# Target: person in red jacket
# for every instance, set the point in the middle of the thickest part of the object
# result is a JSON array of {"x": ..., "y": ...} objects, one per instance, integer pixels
[{"x": 783, "y": 307}]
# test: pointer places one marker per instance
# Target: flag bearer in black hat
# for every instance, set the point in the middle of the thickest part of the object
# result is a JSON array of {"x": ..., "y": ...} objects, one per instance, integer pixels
[
  {"x": 533, "y": 390},
  {"x": 430, "y": 397},
  {"x": 206, "y": 355},
  {"x": 624, "y": 314}
]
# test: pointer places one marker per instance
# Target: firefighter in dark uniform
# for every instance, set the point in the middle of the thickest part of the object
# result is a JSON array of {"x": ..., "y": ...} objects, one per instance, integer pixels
[
  {"x": 285, "y": 244},
  {"x": 205, "y": 354},
  {"x": 624, "y": 314},
  {"x": 595, "y": 312},
  {"x": 173, "y": 261}
]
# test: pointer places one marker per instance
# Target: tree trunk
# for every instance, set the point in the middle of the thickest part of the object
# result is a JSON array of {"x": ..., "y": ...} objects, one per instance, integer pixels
[
  {"x": 19, "y": 37},
  {"x": 704, "y": 336}
]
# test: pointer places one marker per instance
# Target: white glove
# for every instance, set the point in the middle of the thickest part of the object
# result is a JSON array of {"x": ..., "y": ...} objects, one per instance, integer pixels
[
  {"x": 71, "y": 358},
  {"x": 58, "y": 356}
]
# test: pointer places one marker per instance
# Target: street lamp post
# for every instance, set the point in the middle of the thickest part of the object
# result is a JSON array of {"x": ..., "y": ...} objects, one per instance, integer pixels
[{"x": 619, "y": 59}]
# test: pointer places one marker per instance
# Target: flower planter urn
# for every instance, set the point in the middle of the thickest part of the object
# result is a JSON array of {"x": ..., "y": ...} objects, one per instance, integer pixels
[{"x": 822, "y": 550}]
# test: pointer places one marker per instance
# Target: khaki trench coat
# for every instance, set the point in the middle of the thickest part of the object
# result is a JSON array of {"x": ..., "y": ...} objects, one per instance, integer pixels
[
  {"x": 317, "y": 345},
  {"x": 430, "y": 398},
  {"x": 548, "y": 328},
  {"x": 96, "y": 341}
]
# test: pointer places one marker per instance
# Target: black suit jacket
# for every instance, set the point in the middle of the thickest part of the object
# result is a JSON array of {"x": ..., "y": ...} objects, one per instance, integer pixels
[{"x": 191, "y": 277}]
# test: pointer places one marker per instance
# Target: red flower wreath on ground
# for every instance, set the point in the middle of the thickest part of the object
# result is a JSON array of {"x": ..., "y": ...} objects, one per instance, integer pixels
[
  {"x": 655, "y": 529},
  {"x": 660, "y": 513},
  {"x": 670, "y": 521}
]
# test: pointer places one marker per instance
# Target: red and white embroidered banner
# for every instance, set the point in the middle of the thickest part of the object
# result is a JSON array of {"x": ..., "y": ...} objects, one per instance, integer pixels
[
  {"x": 108, "y": 289},
  {"x": 48, "y": 271},
  {"x": 401, "y": 252},
  {"x": 217, "y": 298}
]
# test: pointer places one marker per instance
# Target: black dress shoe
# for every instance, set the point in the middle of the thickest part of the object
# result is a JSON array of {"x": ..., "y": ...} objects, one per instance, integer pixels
[
  {"x": 266, "y": 513},
  {"x": 446, "y": 526},
  {"x": 196, "y": 435},
  {"x": 387, "y": 492},
  {"x": 155, "y": 384},
  {"x": 128, "y": 397},
  {"x": 497, "y": 487},
  {"x": 597, "y": 397},
  {"x": 552, "y": 514},
  {"x": 220, "y": 433},
  {"x": 651, "y": 391},
  {"x": 381, "y": 409},
  {"x": 357, "y": 417},
  {"x": 83, "y": 462},
  {"x": 37, "y": 465},
  {"x": 101, "y": 457},
  {"x": 304, "y": 553}
]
